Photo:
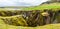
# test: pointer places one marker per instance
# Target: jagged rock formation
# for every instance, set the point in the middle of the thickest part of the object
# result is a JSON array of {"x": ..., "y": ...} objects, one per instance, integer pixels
[{"x": 28, "y": 18}]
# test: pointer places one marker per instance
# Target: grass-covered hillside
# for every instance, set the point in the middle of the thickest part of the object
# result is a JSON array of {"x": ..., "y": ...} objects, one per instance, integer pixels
[{"x": 53, "y": 6}]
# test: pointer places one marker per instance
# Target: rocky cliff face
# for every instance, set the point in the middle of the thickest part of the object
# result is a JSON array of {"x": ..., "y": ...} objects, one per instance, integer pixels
[{"x": 29, "y": 18}]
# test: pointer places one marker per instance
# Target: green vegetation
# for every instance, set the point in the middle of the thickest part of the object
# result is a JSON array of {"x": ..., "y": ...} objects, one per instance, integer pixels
[
  {"x": 52, "y": 6},
  {"x": 16, "y": 21},
  {"x": 6, "y": 26}
]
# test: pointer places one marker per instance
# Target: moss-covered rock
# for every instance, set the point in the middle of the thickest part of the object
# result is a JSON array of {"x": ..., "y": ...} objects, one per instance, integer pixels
[
  {"x": 15, "y": 20},
  {"x": 32, "y": 18}
]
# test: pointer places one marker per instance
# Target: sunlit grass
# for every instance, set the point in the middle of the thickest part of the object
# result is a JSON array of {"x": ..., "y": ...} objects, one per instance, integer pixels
[{"x": 53, "y": 6}]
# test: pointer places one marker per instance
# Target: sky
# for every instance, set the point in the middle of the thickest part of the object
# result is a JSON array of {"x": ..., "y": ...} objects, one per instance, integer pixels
[{"x": 21, "y": 2}]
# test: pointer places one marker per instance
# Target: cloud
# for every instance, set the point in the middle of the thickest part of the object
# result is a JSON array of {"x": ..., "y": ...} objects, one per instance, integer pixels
[{"x": 21, "y": 2}]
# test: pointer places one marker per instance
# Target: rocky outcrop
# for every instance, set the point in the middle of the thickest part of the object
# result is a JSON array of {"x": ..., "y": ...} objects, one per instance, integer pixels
[{"x": 28, "y": 18}]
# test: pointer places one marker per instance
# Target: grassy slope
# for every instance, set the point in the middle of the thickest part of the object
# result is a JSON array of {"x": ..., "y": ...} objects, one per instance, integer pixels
[{"x": 53, "y": 6}]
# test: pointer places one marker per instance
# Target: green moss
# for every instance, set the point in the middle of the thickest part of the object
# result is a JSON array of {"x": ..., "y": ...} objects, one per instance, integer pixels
[{"x": 14, "y": 20}]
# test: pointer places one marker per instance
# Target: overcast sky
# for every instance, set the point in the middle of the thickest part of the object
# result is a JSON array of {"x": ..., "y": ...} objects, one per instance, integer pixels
[{"x": 21, "y": 2}]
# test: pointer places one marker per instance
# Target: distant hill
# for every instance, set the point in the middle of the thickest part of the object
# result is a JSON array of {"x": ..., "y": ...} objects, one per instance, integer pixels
[
  {"x": 55, "y": 0},
  {"x": 54, "y": 6}
]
